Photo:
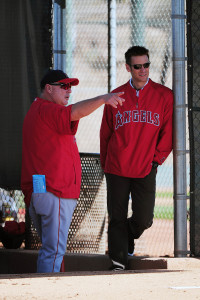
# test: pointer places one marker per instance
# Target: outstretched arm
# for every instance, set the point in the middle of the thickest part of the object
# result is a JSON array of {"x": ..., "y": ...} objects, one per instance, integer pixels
[{"x": 86, "y": 107}]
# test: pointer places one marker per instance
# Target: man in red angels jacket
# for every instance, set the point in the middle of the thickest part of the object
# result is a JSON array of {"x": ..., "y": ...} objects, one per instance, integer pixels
[
  {"x": 134, "y": 140},
  {"x": 49, "y": 148}
]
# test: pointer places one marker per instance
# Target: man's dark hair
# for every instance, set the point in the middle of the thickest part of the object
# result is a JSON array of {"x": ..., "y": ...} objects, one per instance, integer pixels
[{"x": 135, "y": 51}]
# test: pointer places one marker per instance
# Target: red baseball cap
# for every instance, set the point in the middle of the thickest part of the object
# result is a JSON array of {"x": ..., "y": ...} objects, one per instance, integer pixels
[{"x": 53, "y": 76}]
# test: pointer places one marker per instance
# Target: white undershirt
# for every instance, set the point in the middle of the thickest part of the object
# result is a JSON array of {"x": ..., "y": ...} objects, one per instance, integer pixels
[{"x": 137, "y": 91}]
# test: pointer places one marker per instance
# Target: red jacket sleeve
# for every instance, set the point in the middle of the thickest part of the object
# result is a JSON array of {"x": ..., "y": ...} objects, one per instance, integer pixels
[{"x": 164, "y": 144}]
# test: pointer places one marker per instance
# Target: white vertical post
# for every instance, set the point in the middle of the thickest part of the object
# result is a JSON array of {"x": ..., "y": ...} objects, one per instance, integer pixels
[
  {"x": 112, "y": 44},
  {"x": 59, "y": 39}
]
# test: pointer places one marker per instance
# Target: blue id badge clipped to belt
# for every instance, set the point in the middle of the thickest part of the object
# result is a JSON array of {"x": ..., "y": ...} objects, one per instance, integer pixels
[{"x": 39, "y": 184}]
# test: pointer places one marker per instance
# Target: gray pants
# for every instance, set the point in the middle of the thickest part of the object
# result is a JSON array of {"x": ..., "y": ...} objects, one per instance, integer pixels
[{"x": 51, "y": 217}]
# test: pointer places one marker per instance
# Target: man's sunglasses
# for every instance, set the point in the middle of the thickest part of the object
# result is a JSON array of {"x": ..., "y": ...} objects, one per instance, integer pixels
[
  {"x": 139, "y": 66},
  {"x": 62, "y": 85}
]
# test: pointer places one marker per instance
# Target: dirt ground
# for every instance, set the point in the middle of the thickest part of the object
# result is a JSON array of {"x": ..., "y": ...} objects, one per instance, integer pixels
[
  {"x": 179, "y": 281},
  {"x": 137, "y": 285}
]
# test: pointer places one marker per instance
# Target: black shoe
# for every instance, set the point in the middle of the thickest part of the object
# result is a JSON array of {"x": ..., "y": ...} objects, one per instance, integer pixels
[
  {"x": 131, "y": 247},
  {"x": 117, "y": 266}
]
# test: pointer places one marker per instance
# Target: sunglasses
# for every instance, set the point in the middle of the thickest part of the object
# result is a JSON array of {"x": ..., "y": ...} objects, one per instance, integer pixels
[
  {"x": 62, "y": 85},
  {"x": 139, "y": 66}
]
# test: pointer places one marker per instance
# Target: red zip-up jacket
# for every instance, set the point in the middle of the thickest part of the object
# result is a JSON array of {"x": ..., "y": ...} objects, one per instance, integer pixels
[
  {"x": 134, "y": 135},
  {"x": 49, "y": 148}
]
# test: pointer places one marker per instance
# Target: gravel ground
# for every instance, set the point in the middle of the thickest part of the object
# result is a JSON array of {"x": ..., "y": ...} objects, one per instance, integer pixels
[{"x": 137, "y": 285}]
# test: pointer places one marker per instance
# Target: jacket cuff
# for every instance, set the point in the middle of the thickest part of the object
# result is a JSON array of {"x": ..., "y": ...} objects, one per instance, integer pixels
[{"x": 155, "y": 164}]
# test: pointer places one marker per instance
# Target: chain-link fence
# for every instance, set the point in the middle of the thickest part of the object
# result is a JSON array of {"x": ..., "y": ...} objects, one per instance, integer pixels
[
  {"x": 140, "y": 22},
  {"x": 146, "y": 23},
  {"x": 87, "y": 233},
  {"x": 136, "y": 22},
  {"x": 143, "y": 22},
  {"x": 87, "y": 230}
]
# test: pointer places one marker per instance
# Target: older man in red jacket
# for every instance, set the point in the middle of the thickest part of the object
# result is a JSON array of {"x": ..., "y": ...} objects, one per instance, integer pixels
[{"x": 49, "y": 148}]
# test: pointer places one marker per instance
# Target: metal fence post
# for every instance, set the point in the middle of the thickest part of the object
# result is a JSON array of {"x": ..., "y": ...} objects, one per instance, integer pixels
[
  {"x": 179, "y": 137},
  {"x": 111, "y": 45},
  {"x": 59, "y": 36}
]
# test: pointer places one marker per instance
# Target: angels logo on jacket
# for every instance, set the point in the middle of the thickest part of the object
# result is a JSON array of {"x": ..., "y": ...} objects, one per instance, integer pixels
[{"x": 136, "y": 116}]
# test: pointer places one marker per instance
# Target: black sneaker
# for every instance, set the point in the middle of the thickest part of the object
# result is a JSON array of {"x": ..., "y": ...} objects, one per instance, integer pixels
[
  {"x": 131, "y": 246},
  {"x": 117, "y": 266}
]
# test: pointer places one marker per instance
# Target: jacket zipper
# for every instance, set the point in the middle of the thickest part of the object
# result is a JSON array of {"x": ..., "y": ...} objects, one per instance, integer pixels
[{"x": 137, "y": 97}]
